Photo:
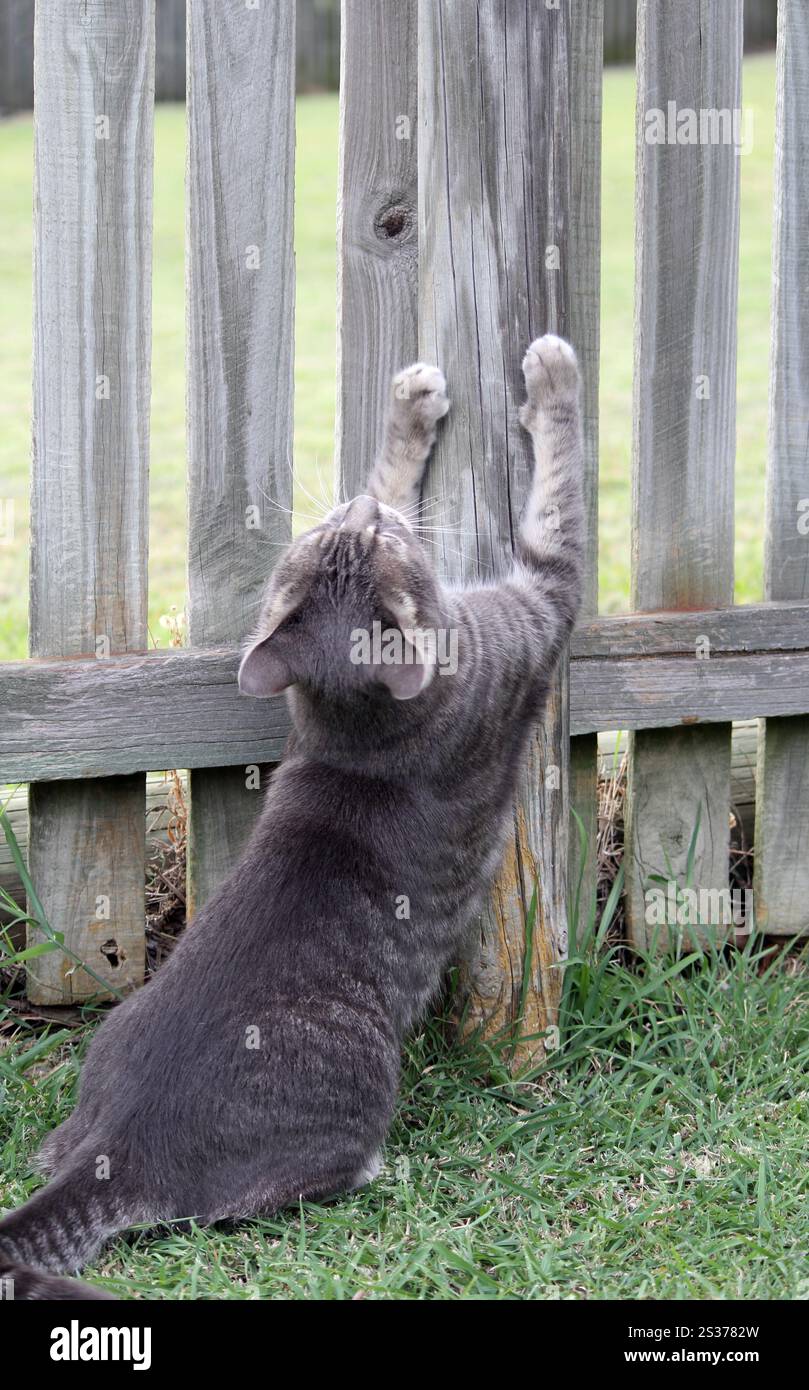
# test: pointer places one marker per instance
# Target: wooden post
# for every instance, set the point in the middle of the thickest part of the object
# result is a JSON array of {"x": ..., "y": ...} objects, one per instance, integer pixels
[
  {"x": 782, "y": 804},
  {"x": 241, "y": 288},
  {"x": 584, "y": 314},
  {"x": 687, "y": 233},
  {"x": 377, "y": 231},
  {"x": 89, "y": 503},
  {"x": 495, "y": 199}
]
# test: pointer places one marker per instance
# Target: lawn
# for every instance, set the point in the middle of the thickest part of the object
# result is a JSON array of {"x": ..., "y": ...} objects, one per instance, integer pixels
[
  {"x": 315, "y": 340},
  {"x": 662, "y": 1157}
]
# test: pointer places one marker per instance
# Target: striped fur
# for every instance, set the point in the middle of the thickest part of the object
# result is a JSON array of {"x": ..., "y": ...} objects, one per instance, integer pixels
[{"x": 260, "y": 1065}]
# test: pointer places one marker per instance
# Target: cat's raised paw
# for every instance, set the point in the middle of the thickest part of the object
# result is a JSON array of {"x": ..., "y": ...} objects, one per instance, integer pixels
[
  {"x": 551, "y": 373},
  {"x": 421, "y": 392}
]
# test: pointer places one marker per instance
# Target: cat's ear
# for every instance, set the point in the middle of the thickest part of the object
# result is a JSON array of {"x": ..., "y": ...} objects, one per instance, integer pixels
[
  {"x": 403, "y": 682},
  {"x": 263, "y": 671},
  {"x": 405, "y": 679}
]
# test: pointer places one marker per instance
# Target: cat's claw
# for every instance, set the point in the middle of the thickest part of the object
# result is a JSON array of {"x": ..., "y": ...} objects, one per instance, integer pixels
[
  {"x": 421, "y": 391},
  {"x": 551, "y": 373}
]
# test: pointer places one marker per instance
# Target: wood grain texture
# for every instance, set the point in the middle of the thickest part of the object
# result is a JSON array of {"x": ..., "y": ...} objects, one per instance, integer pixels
[
  {"x": 687, "y": 246},
  {"x": 93, "y": 117},
  {"x": 782, "y": 812},
  {"x": 754, "y": 627},
  {"x": 377, "y": 225},
  {"x": 744, "y": 750},
  {"x": 664, "y": 692},
  {"x": 163, "y": 710},
  {"x": 584, "y": 314},
  {"x": 240, "y": 306},
  {"x": 69, "y": 719},
  {"x": 154, "y": 826},
  {"x": 494, "y": 194},
  {"x": 96, "y": 826}
]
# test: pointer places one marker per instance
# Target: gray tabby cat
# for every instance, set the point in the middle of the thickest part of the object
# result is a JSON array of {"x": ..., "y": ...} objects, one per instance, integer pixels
[{"x": 261, "y": 1063}]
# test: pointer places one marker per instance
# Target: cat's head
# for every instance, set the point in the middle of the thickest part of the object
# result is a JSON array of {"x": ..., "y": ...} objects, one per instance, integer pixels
[{"x": 346, "y": 609}]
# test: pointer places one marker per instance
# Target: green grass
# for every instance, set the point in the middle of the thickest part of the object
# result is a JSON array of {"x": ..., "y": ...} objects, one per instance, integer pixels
[
  {"x": 662, "y": 1156},
  {"x": 315, "y": 340}
]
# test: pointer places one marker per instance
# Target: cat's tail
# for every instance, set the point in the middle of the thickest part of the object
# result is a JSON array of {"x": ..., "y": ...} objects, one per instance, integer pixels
[
  {"x": 59, "y": 1229},
  {"x": 27, "y": 1285}
]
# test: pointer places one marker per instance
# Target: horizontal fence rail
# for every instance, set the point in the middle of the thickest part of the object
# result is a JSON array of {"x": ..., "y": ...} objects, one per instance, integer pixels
[{"x": 70, "y": 719}]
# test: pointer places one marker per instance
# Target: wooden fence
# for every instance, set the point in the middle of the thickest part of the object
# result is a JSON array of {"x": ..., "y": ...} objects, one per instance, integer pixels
[
  {"x": 317, "y": 49},
  {"x": 318, "y": 44},
  {"x": 469, "y": 200}
]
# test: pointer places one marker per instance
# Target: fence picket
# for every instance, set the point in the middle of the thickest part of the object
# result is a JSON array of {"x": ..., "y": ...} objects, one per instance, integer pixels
[
  {"x": 584, "y": 298},
  {"x": 782, "y": 805},
  {"x": 687, "y": 235},
  {"x": 89, "y": 498},
  {"x": 494, "y": 163},
  {"x": 377, "y": 231},
  {"x": 241, "y": 127}
]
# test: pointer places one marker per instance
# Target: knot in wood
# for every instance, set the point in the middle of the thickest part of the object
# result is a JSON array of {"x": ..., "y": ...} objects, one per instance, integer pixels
[{"x": 392, "y": 222}]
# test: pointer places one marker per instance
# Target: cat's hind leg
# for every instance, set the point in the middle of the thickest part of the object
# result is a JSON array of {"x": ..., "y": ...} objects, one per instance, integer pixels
[{"x": 418, "y": 400}]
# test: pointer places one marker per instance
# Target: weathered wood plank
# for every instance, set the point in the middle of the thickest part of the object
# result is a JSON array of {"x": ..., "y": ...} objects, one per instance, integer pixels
[
  {"x": 69, "y": 719},
  {"x": 755, "y": 627},
  {"x": 664, "y": 692},
  {"x": 782, "y": 812},
  {"x": 494, "y": 194},
  {"x": 89, "y": 499},
  {"x": 98, "y": 827},
  {"x": 154, "y": 826},
  {"x": 145, "y": 713},
  {"x": 687, "y": 236},
  {"x": 744, "y": 750},
  {"x": 241, "y": 286},
  {"x": 584, "y": 302},
  {"x": 377, "y": 225}
]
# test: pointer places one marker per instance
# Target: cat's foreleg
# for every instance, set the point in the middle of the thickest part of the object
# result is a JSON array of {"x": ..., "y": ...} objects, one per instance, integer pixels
[
  {"x": 417, "y": 402},
  {"x": 551, "y": 533}
]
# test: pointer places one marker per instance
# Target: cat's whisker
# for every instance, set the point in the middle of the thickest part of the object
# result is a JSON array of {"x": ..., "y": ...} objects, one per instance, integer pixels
[
  {"x": 279, "y": 506},
  {"x": 287, "y": 511},
  {"x": 300, "y": 484}
]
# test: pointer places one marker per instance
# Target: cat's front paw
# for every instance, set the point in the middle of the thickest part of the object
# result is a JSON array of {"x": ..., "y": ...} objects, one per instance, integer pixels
[
  {"x": 420, "y": 395},
  {"x": 551, "y": 374}
]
